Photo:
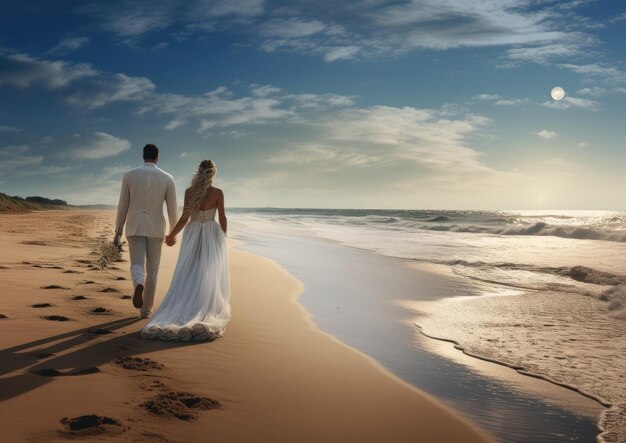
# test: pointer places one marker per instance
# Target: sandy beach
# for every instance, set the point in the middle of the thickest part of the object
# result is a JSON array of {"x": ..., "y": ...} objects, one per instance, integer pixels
[{"x": 70, "y": 348}]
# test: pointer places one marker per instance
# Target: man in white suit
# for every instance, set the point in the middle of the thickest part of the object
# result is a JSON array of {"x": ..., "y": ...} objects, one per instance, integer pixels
[{"x": 144, "y": 189}]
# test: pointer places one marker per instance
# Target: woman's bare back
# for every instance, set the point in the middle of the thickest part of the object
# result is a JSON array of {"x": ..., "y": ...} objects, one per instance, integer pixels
[{"x": 212, "y": 199}]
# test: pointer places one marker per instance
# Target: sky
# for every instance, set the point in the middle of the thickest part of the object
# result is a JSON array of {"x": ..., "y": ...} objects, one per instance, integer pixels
[{"x": 424, "y": 104}]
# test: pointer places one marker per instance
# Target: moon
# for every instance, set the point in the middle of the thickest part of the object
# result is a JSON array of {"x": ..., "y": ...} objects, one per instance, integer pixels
[{"x": 557, "y": 93}]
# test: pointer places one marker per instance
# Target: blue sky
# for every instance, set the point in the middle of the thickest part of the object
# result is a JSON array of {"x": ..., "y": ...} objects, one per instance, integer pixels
[{"x": 372, "y": 104}]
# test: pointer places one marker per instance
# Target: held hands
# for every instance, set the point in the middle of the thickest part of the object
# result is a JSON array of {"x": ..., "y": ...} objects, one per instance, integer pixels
[{"x": 170, "y": 240}]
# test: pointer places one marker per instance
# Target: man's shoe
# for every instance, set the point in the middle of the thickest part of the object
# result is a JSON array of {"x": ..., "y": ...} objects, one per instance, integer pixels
[{"x": 138, "y": 297}]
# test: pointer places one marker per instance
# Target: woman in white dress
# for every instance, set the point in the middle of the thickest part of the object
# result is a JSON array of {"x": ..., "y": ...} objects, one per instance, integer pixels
[{"x": 196, "y": 306}]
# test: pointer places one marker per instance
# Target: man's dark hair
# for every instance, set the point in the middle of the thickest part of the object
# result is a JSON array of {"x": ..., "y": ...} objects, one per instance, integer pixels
[{"x": 150, "y": 152}]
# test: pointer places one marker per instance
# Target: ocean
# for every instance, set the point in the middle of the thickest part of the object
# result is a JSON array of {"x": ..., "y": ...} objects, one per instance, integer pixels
[
  {"x": 572, "y": 251},
  {"x": 566, "y": 271}
]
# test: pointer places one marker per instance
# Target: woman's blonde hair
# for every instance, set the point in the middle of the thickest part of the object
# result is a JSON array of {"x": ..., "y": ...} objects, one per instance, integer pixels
[{"x": 200, "y": 184}]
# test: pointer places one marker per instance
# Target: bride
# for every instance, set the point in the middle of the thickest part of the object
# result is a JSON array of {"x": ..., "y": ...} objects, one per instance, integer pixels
[{"x": 196, "y": 306}]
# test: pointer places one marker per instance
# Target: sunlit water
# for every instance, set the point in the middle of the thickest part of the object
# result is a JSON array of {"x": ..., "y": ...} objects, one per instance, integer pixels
[{"x": 359, "y": 296}]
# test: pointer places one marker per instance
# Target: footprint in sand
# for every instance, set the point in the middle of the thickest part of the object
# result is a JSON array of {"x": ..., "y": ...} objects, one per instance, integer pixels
[
  {"x": 53, "y": 287},
  {"x": 120, "y": 278},
  {"x": 138, "y": 364},
  {"x": 109, "y": 290},
  {"x": 41, "y": 305},
  {"x": 90, "y": 425},
  {"x": 180, "y": 405},
  {"x": 4, "y": 267},
  {"x": 89, "y": 282},
  {"x": 79, "y": 297},
  {"x": 3, "y": 316},
  {"x": 71, "y": 271},
  {"x": 125, "y": 297},
  {"x": 34, "y": 242},
  {"x": 49, "y": 372},
  {"x": 154, "y": 385},
  {"x": 56, "y": 318},
  {"x": 100, "y": 310}
]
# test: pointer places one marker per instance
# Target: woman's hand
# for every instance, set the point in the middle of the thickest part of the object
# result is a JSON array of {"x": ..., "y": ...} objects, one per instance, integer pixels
[{"x": 170, "y": 240}]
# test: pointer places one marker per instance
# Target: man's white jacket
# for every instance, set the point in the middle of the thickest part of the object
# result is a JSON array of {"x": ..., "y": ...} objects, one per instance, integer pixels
[{"x": 144, "y": 189}]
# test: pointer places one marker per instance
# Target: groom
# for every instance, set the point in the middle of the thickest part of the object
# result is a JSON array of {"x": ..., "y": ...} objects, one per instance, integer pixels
[{"x": 144, "y": 189}]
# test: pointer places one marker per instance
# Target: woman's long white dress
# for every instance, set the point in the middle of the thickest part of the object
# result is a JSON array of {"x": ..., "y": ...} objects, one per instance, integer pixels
[{"x": 196, "y": 306}]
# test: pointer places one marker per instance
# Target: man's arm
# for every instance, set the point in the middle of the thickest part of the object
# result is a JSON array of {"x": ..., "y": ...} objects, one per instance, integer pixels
[
  {"x": 170, "y": 202},
  {"x": 170, "y": 239},
  {"x": 122, "y": 210}
]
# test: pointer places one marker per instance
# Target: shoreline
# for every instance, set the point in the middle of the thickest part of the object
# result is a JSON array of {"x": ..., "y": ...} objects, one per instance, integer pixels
[
  {"x": 519, "y": 369},
  {"x": 478, "y": 344},
  {"x": 391, "y": 288},
  {"x": 275, "y": 374}
]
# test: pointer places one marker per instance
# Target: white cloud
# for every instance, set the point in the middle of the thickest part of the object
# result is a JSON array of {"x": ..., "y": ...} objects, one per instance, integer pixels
[
  {"x": 332, "y": 130},
  {"x": 69, "y": 44},
  {"x": 253, "y": 111},
  {"x": 262, "y": 91},
  {"x": 487, "y": 97},
  {"x": 24, "y": 71},
  {"x": 597, "y": 91},
  {"x": 5, "y": 128},
  {"x": 86, "y": 87},
  {"x": 341, "y": 53},
  {"x": 395, "y": 153},
  {"x": 16, "y": 158},
  {"x": 318, "y": 101},
  {"x": 132, "y": 19},
  {"x": 117, "y": 88},
  {"x": 332, "y": 157},
  {"x": 533, "y": 31},
  {"x": 221, "y": 109},
  {"x": 200, "y": 10},
  {"x": 594, "y": 91},
  {"x": 546, "y": 135},
  {"x": 604, "y": 72},
  {"x": 544, "y": 53},
  {"x": 618, "y": 18},
  {"x": 426, "y": 137},
  {"x": 18, "y": 161},
  {"x": 572, "y": 102},
  {"x": 501, "y": 101},
  {"x": 97, "y": 146},
  {"x": 291, "y": 28}
]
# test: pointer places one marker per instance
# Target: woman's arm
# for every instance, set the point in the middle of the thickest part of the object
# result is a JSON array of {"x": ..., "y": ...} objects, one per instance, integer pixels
[
  {"x": 222, "y": 214},
  {"x": 170, "y": 240}
]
